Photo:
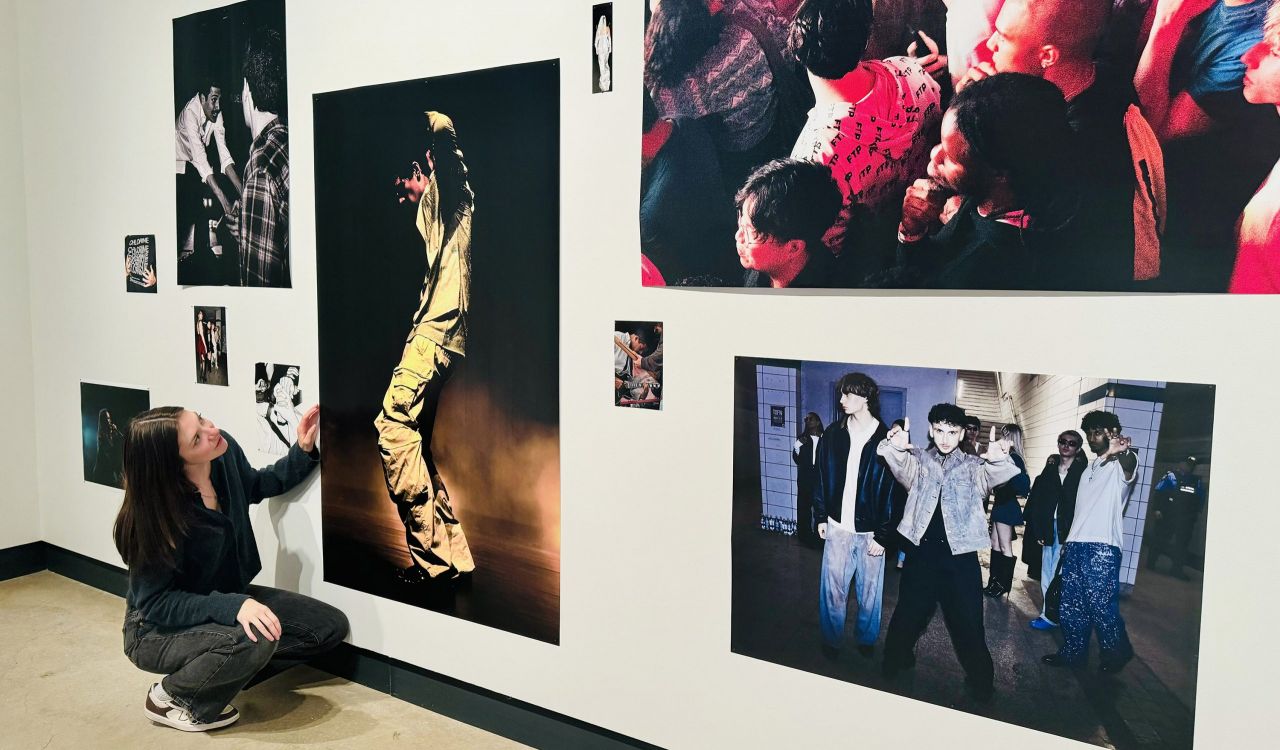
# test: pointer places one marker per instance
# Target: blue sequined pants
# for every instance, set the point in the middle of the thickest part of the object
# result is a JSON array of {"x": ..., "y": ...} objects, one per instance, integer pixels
[{"x": 1091, "y": 600}]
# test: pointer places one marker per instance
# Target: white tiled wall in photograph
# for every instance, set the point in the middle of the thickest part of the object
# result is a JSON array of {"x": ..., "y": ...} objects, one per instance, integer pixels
[{"x": 776, "y": 388}]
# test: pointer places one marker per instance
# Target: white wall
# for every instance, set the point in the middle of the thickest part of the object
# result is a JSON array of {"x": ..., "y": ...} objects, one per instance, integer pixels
[
  {"x": 98, "y": 122},
  {"x": 18, "y": 495}
]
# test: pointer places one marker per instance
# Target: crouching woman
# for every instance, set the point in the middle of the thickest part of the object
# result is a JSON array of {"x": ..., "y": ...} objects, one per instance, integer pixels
[{"x": 183, "y": 530}]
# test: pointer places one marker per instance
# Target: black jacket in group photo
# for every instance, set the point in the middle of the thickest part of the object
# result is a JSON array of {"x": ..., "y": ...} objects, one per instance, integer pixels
[
  {"x": 1051, "y": 493},
  {"x": 878, "y": 492}
]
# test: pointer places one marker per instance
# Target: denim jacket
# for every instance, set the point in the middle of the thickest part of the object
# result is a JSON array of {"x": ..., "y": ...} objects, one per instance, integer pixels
[{"x": 958, "y": 480}]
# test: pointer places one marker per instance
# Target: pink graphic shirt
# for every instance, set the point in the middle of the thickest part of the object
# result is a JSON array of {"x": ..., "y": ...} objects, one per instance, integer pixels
[{"x": 876, "y": 146}]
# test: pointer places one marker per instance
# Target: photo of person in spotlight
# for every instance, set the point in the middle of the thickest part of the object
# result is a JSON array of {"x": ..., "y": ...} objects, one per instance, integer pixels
[{"x": 441, "y": 487}]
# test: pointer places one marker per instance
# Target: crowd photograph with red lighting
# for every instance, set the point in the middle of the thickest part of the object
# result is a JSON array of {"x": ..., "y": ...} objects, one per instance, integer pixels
[{"x": 1049, "y": 145}]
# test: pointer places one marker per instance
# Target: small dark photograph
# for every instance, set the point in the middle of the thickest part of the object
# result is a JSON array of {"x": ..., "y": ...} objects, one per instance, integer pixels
[
  {"x": 211, "y": 345},
  {"x": 105, "y": 411},
  {"x": 637, "y": 364}
]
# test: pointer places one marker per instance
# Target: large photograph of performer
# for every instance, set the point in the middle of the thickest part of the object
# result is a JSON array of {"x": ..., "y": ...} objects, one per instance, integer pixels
[
  {"x": 438, "y": 273},
  {"x": 1033, "y": 511},
  {"x": 232, "y": 146},
  {"x": 1068, "y": 145}
]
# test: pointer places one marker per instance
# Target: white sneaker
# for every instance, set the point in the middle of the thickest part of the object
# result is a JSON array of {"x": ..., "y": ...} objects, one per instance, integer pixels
[{"x": 167, "y": 713}]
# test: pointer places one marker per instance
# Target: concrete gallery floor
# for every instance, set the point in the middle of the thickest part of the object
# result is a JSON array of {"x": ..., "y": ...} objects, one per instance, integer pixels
[{"x": 65, "y": 683}]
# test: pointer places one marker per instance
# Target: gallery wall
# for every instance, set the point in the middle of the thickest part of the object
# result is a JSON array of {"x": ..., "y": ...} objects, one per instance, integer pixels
[
  {"x": 18, "y": 497},
  {"x": 645, "y": 588}
]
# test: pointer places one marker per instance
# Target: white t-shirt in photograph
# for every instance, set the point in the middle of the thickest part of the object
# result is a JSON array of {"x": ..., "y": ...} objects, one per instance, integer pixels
[{"x": 1100, "y": 504}]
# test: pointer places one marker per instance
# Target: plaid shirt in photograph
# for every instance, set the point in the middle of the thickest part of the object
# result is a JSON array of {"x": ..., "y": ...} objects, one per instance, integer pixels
[{"x": 262, "y": 223}]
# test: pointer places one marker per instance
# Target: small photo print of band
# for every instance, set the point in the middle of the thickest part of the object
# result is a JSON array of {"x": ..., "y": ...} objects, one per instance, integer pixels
[
  {"x": 1033, "y": 510},
  {"x": 211, "y": 345},
  {"x": 637, "y": 364},
  {"x": 140, "y": 263}
]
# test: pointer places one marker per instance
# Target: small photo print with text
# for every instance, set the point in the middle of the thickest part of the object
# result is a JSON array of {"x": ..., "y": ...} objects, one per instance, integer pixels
[
  {"x": 140, "y": 263},
  {"x": 637, "y": 364}
]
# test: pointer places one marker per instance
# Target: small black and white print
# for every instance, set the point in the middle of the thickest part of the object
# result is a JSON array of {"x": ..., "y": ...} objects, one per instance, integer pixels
[{"x": 140, "y": 263}]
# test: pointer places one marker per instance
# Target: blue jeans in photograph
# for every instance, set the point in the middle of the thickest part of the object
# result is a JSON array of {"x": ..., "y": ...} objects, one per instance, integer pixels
[
  {"x": 1091, "y": 601},
  {"x": 845, "y": 560},
  {"x": 1049, "y": 555}
]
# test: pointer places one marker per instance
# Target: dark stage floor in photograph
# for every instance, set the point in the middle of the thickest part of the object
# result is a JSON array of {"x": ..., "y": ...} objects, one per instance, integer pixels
[
  {"x": 515, "y": 587},
  {"x": 1149, "y": 704}
]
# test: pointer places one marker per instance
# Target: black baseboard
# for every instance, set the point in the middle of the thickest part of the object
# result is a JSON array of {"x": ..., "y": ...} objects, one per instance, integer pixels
[
  {"x": 493, "y": 712},
  {"x": 22, "y": 560}
]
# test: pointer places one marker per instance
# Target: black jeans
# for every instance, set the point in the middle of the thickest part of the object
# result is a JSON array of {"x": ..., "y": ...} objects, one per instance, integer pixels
[
  {"x": 206, "y": 665},
  {"x": 933, "y": 576}
]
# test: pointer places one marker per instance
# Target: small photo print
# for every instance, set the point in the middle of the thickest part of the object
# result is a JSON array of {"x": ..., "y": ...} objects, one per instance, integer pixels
[
  {"x": 602, "y": 48},
  {"x": 211, "y": 345},
  {"x": 277, "y": 396},
  {"x": 637, "y": 364},
  {"x": 105, "y": 411},
  {"x": 140, "y": 263}
]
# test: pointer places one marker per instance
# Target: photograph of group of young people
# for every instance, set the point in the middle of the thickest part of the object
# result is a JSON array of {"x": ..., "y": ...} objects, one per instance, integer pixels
[
  {"x": 867, "y": 497},
  {"x": 1078, "y": 145}
]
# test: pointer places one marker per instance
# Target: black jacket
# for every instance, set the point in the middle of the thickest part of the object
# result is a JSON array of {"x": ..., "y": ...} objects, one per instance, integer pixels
[
  {"x": 806, "y": 472},
  {"x": 218, "y": 557},
  {"x": 1050, "y": 493},
  {"x": 878, "y": 492}
]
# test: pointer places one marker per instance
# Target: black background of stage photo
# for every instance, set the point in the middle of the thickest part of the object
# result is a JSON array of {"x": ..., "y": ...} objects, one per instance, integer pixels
[
  {"x": 213, "y": 43},
  {"x": 496, "y": 439}
]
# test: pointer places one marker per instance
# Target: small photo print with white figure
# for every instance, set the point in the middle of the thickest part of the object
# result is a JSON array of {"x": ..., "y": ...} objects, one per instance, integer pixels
[
  {"x": 602, "y": 48},
  {"x": 277, "y": 395},
  {"x": 140, "y": 263}
]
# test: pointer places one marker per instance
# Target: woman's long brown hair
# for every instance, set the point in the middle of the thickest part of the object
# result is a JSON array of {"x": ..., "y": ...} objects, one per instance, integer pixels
[{"x": 156, "y": 512}]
